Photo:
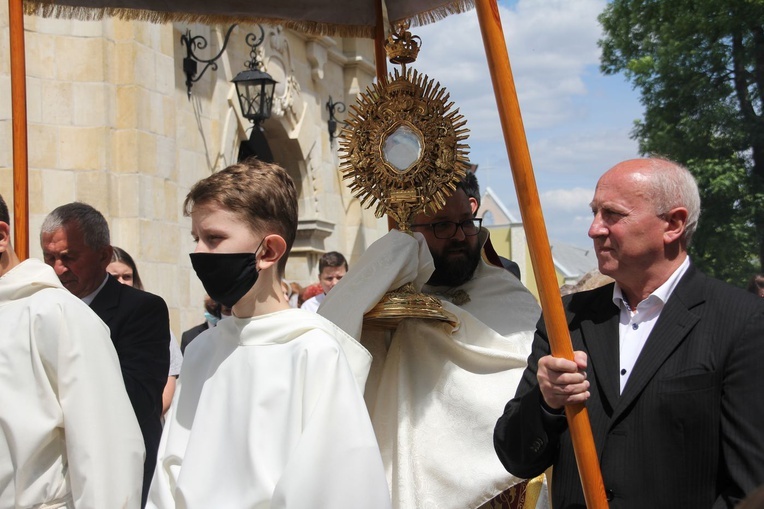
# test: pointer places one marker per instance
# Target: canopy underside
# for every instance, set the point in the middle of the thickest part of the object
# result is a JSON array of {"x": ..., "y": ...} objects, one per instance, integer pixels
[{"x": 345, "y": 18}]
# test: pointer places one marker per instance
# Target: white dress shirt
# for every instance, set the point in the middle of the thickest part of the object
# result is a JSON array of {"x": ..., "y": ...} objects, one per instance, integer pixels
[{"x": 635, "y": 326}]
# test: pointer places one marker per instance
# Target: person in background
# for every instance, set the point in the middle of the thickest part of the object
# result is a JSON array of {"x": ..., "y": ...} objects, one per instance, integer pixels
[
  {"x": 756, "y": 285},
  {"x": 667, "y": 360},
  {"x": 309, "y": 292},
  {"x": 124, "y": 270},
  {"x": 291, "y": 292},
  {"x": 75, "y": 241},
  {"x": 69, "y": 437},
  {"x": 213, "y": 313},
  {"x": 269, "y": 411},
  {"x": 331, "y": 268}
]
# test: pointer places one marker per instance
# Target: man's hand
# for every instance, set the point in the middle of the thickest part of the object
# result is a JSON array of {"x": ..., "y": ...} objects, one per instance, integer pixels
[{"x": 563, "y": 382}]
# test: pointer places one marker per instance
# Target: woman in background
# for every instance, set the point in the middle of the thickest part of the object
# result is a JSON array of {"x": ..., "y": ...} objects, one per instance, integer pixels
[{"x": 123, "y": 268}]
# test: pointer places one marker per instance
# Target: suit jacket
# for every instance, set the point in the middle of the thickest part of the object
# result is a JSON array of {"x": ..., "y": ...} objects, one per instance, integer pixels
[
  {"x": 687, "y": 430},
  {"x": 191, "y": 333},
  {"x": 140, "y": 330}
]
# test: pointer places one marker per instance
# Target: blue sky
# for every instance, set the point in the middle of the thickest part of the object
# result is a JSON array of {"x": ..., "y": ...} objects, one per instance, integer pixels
[{"x": 577, "y": 120}]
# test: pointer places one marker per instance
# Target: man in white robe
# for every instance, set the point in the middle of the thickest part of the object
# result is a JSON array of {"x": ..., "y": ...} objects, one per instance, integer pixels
[
  {"x": 68, "y": 434},
  {"x": 435, "y": 388}
]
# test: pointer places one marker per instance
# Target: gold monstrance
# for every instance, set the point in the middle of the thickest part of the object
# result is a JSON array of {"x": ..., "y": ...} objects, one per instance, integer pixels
[{"x": 402, "y": 149}]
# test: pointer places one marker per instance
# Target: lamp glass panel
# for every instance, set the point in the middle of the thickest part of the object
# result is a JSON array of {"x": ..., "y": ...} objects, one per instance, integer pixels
[{"x": 267, "y": 98}]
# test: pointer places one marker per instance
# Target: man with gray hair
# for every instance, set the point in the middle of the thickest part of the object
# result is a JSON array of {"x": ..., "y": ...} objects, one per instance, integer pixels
[
  {"x": 75, "y": 242},
  {"x": 668, "y": 361},
  {"x": 59, "y": 446}
]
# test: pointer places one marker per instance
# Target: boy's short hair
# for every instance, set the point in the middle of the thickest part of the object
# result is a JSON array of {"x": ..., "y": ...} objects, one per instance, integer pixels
[
  {"x": 261, "y": 193},
  {"x": 332, "y": 259},
  {"x": 5, "y": 216}
]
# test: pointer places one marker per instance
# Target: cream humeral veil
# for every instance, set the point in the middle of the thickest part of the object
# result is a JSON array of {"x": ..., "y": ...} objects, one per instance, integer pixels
[{"x": 435, "y": 390}]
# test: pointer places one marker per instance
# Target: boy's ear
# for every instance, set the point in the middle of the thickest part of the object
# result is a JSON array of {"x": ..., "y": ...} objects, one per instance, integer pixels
[{"x": 274, "y": 247}]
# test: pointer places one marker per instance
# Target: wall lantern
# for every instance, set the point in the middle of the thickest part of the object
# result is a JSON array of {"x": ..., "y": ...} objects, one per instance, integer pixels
[
  {"x": 339, "y": 107},
  {"x": 254, "y": 86}
]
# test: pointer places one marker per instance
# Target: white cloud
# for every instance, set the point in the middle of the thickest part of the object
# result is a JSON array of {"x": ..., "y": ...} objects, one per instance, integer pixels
[
  {"x": 577, "y": 121},
  {"x": 567, "y": 214},
  {"x": 574, "y": 200},
  {"x": 586, "y": 153},
  {"x": 550, "y": 44}
]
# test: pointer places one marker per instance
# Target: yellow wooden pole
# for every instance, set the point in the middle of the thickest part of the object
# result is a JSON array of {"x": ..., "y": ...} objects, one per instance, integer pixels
[
  {"x": 19, "y": 129},
  {"x": 538, "y": 242},
  {"x": 380, "y": 55},
  {"x": 380, "y": 60}
]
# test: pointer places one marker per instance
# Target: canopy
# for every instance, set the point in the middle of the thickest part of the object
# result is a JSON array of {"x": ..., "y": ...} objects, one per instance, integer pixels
[
  {"x": 359, "y": 18},
  {"x": 347, "y": 18}
]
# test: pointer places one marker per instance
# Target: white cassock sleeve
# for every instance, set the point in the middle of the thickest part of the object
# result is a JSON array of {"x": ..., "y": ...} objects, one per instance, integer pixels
[
  {"x": 104, "y": 444},
  {"x": 336, "y": 462},
  {"x": 389, "y": 263}
]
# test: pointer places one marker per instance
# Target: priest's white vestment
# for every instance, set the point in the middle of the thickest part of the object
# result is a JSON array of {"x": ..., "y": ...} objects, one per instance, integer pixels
[
  {"x": 68, "y": 434},
  {"x": 435, "y": 389},
  {"x": 269, "y": 413}
]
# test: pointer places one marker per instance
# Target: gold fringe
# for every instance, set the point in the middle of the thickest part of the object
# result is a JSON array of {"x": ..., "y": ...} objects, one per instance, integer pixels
[
  {"x": 48, "y": 9},
  {"x": 433, "y": 15}
]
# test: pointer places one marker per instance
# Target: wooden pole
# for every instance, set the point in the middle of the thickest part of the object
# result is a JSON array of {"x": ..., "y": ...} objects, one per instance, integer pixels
[
  {"x": 380, "y": 60},
  {"x": 19, "y": 128},
  {"x": 380, "y": 56},
  {"x": 538, "y": 243}
]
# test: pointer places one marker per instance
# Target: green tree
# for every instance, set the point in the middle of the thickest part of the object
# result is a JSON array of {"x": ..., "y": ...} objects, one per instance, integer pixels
[
  {"x": 725, "y": 244},
  {"x": 699, "y": 66}
]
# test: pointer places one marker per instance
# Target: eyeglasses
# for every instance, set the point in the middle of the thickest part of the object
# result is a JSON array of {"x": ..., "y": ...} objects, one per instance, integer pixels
[{"x": 447, "y": 229}]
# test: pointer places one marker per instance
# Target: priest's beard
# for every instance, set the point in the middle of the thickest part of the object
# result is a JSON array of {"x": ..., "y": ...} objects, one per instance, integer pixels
[{"x": 455, "y": 264}]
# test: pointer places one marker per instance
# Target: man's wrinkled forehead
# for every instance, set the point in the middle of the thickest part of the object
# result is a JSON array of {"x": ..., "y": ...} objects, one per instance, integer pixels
[{"x": 624, "y": 185}]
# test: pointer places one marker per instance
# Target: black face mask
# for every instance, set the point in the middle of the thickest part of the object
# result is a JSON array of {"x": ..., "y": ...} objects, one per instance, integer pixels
[{"x": 226, "y": 277}]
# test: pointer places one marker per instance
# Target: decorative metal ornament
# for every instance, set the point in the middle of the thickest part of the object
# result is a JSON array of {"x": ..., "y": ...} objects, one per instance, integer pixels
[
  {"x": 403, "y": 142},
  {"x": 406, "y": 302},
  {"x": 403, "y": 147},
  {"x": 403, "y": 150},
  {"x": 332, "y": 106},
  {"x": 190, "y": 61}
]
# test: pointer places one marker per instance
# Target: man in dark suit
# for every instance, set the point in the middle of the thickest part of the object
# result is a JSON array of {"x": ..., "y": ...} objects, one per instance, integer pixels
[
  {"x": 191, "y": 334},
  {"x": 669, "y": 362},
  {"x": 75, "y": 242}
]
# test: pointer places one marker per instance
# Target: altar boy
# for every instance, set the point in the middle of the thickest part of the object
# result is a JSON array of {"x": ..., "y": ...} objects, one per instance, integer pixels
[{"x": 269, "y": 410}]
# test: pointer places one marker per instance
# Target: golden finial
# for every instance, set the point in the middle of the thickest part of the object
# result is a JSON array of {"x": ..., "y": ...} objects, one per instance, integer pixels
[{"x": 402, "y": 48}]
